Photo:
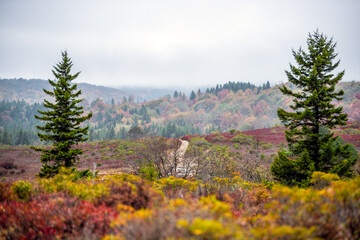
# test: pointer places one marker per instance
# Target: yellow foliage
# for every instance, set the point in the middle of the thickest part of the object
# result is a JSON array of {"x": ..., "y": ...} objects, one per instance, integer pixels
[
  {"x": 310, "y": 213},
  {"x": 289, "y": 213},
  {"x": 113, "y": 237},
  {"x": 321, "y": 179},
  {"x": 218, "y": 208},
  {"x": 124, "y": 177},
  {"x": 209, "y": 229},
  {"x": 283, "y": 232},
  {"x": 125, "y": 208},
  {"x": 64, "y": 182},
  {"x": 324, "y": 176},
  {"x": 176, "y": 183},
  {"x": 177, "y": 203},
  {"x": 142, "y": 214}
]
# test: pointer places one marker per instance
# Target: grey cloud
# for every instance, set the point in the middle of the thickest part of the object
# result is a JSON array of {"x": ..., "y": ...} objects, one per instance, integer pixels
[{"x": 168, "y": 43}]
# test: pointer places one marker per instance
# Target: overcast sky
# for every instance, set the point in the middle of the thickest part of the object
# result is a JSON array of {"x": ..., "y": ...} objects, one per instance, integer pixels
[{"x": 168, "y": 43}]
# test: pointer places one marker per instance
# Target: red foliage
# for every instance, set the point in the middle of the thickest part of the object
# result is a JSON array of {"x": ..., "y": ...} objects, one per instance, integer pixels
[
  {"x": 352, "y": 139},
  {"x": 222, "y": 94},
  {"x": 222, "y": 138},
  {"x": 269, "y": 135},
  {"x": 53, "y": 216},
  {"x": 348, "y": 123},
  {"x": 273, "y": 135}
]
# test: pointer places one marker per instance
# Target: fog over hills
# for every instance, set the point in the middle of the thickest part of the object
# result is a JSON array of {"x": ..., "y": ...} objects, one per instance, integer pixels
[{"x": 31, "y": 91}]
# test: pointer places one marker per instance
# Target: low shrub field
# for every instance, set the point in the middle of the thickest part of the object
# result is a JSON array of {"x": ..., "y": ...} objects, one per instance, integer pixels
[{"x": 128, "y": 207}]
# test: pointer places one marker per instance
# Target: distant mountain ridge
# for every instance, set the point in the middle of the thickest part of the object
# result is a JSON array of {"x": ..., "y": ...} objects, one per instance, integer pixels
[{"x": 32, "y": 91}]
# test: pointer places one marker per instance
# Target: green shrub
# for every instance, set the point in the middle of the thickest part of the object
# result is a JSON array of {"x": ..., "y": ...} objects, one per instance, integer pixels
[
  {"x": 83, "y": 174},
  {"x": 219, "y": 138},
  {"x": 22, "y": 190},
  {"x": 236, "y": 146},
  {"x": 242, "y": 139},
  {"x": 292, "y": 172},
  {"x": 282, "y": 145},
  {"x": 266, "y": 146},
  {"x": 232, "y": 131},
  {"x": 149, "y": 172},
  {"x": 200, "y": 142}
]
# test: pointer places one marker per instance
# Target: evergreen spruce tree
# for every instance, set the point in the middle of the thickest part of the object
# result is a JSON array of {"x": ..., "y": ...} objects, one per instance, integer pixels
[
  {"x": 22, "y": 138},
  {"x": 91, "y": 135},
  {"x": 111, "y": 134},
  {"x": 268, "y": 85},
  {"x": 313, "y": 116},
  {"x": 62, "y": 121},
  {"x": 6, "y": 139},
  {"x": 192, "y": 95},
  {"x": 122, "y": 133}
]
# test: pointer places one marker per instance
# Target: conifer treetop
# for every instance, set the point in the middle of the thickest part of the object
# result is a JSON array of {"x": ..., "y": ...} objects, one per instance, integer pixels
[
  {"x": 312, "y": 116},
  {"x": 62, "y": 120}
]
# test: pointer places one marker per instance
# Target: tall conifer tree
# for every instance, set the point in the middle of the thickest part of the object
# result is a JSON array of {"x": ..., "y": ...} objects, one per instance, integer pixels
[
  {"x": 62, "y": 121},
  {"x": 313, "y": 116},
  {"x": 192, "y": 95}
]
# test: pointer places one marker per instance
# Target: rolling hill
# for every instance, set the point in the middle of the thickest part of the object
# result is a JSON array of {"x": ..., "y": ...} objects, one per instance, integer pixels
[
  {"x": 169, "y": 116},
  {"x": 31, "y": 91}
]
